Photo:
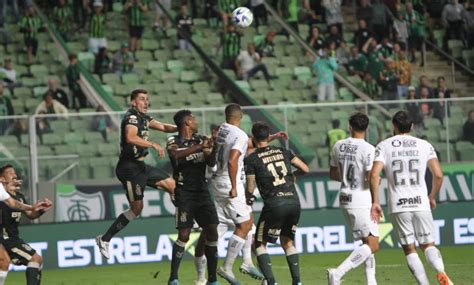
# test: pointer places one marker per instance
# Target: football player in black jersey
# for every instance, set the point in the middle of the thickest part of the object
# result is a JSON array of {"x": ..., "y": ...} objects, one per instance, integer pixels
[
  {"x": 269, "y": 169},
  {"x": 19, "y": 252},
  {"x": 190, "y": 154},
  {"x": 131, "y": 169}
]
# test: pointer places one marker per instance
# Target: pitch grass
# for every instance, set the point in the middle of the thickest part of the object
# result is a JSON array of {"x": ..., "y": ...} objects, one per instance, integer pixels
[{"x": 391, "y": 269}]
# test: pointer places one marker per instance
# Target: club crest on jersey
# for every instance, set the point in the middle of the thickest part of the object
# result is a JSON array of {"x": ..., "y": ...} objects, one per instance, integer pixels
[
  {"x": 396, "y": 143},
  {"x": 138, "y": 190}
]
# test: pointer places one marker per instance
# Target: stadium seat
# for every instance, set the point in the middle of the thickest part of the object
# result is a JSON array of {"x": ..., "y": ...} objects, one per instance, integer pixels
[
  {"x": 52, "y": 139},
  {"x": 189, "y": 76},
  {"x": 130, "y": 78},
  {"x": 175, "y": 66}
]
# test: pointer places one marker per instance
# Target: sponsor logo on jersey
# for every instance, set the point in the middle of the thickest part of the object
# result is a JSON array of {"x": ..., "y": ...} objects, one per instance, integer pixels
[
  {"x": 138, "y": 190},
  {"x": 409, "y": 143},
  {"x": 409, "y": 201},
  {"x": 345, "y": 198},
  {"x": 348, "y": 148}
]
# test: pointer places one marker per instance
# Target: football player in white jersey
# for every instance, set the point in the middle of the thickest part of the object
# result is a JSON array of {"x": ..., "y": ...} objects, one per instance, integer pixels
[
  {"x": 351, "y": 162},
  {"x": 404, "y": 159},
  {"x": 229, "y": 191}
]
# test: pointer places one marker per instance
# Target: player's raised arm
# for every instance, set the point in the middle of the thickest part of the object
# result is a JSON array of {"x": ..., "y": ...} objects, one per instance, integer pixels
[
  {"x": 48, "y": 205},
  {"x": 159, "y": 126},
  {"x": 131, "y": 136},
  {"x": 376, "y": 211},
  {"x": 302, "y": 168},
  {"x": 179, "y": 153},
  {"x": 272, "y": 137},
  {"x": 435, "y": 168}
]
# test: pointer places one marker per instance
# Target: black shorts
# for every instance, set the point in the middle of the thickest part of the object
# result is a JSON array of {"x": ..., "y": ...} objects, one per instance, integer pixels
[
  {"x": 135, "y": 31},
  {"x": 276, "y": 220},
  {"x": 136, "y": 175},
  {"x": 33, "y": 43},
  {"x": 19, "y": 251},
  {"x": 193, "y": 205}
]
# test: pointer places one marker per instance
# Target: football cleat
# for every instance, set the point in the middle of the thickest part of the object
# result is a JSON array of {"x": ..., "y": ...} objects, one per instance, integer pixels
[
  {"x": 443, "y": 279},
  {"x": 201, "y": 282},
  {"x": 333, "y": 278},
  {"x": 173, "y": 282},
  {"x": 252, "y": 271},
  {"x": 229, "y": 276},
  {"x": 103, "y": 246},
  {"x": 213, "y": 283}
]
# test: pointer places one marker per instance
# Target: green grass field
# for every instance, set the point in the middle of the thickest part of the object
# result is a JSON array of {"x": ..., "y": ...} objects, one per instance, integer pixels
[{"x": 391, "y": 269}]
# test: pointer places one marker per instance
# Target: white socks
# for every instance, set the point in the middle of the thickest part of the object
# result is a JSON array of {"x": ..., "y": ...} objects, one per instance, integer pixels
[
  {"x": 416, "y": 267},
  {"x": 3, "y": 277},
  {"x": 356, "y": 258},
  {"x": 235, "y": 246},
  {"x": 247, "y": 250},
  {"x": 370, "y": 270},
  {"x": 200, "y": 262},
  {"x": 434, "y": 258}
]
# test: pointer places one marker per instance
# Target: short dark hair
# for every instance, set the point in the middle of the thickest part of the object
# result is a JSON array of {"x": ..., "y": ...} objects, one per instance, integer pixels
[
  {"x": 180, "y": 117},
  {"x": 231, "y": 110},
  {"x": 336, "y": 123},
  {"x": 402, "y": 121},
  {"x": 5, "y": 167},
  {"x": 135, "y": 92},
  {"x": 260, "y": 131},
  {"x": 441, "y": 77},
  {"x": 72, "y": 56},
  {"x": 359, "y": 122}
]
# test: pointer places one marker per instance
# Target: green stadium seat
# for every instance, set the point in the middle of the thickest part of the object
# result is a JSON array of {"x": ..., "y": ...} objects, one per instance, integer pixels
[
  {"x": 302, "y": 73},
  {"x": 87, "y": 59},
  {"x": 52, "y": 139},
  {"x": 201, "y": 87},
  {"x": 181, "y": 87},
  {"x": 243, "y": 85},
  {"x": 189, "y": 76},
  {"x": 175, "y": 66},
  {"x": 144, "y": 55},
  {"x": 85, "y": 150},
  {"x": 65, "y": 150},
  {"x": 40, "y": 91},
  {"x": 130, "y": 78},
  {"x": 150, "y": 45},
  {"x": 156, "y": 65},
  {"x": 93, "y": 137},
  {"x": 110, "y": 78},
  {"x": 59, "y": 126}
]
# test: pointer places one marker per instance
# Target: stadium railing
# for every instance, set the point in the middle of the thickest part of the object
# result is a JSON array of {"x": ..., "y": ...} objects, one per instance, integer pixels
[{"x": 75, "y": 150}]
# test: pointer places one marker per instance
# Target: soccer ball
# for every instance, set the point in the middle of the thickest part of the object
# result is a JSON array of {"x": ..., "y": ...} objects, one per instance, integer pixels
[{"x": 242, "y": 17}]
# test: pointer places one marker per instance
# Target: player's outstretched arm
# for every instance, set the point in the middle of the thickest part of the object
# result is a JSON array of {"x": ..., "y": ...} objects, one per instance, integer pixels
[
  {"x": 131, "y": 136},
  {"x": 302, "y": 168},
  {"x": 38, "y": 213},
  {"x": 177, "y": 153},
  {"x": 159, "y": 126},
  {"x": 376, "y": 210},
  {"x": 271, "y": 138},
  {"x": 435, "y": 168}
]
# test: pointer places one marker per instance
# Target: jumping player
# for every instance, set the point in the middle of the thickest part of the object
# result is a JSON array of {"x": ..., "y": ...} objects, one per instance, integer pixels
[{"x": 131, "y": 169}]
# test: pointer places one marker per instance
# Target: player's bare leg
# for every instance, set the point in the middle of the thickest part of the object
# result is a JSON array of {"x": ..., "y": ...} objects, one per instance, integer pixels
[
  {"x": 415, "y": 265},
  {"x": 236, "y": 243},
  {"x": 362, "y": 254},
  {"x": 168, "y": 185},
  {"x": 33, "y": 270},
  {"x": 200, "y": 261},
  {"x": 434, "y": 258},
  {"x": 121, "y": 222},
  {"x": 4, "y": 264}
]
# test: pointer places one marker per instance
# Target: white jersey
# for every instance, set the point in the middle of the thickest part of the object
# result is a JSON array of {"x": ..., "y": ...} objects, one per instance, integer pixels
[
  {"x": 230, "y": 137},
  {"x": 3, "y": 193},
  {"x": 405, "y": 159},
  {"x": 353, "y": 157}
]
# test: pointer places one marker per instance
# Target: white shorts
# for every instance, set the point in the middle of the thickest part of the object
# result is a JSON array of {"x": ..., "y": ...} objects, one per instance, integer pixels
[
  {"x": 233, "y": 210},
  {"x": 221, "y": 188},
  {"x": 166, "y": 4},
  {"x": 360, "y": 223},
  {"x": 414, "y": 225},
  {"x": 96, "y": 43}
]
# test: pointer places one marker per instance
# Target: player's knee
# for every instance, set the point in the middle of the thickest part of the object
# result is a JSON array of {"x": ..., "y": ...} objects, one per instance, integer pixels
[
  {"x": 286, "y": 242},
  {"x": 211, "y": 234},
  {"x": 426, "y": 246},
  {"x": 137, "y": 208},
  {"x": 183, "y": 235},
  {"x": 37, "y": 258},
  {"x": 373, "y": 243}
]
